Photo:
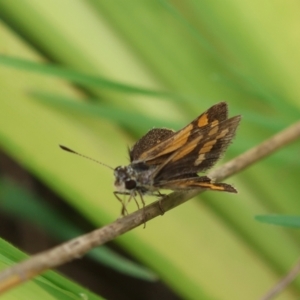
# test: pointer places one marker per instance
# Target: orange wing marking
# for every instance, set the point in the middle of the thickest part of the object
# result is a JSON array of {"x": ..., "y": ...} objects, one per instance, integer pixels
[
  {"x": 187, "y": 149},
  {"x": 203, "y": 120}
]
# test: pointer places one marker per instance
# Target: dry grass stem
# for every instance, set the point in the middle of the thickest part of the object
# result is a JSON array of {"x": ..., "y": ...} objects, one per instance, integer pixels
[{"x": 283, "y": 283}]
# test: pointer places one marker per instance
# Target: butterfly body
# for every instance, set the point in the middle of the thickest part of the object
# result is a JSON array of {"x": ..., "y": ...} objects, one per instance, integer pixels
[{"x": 134, "y": 178}]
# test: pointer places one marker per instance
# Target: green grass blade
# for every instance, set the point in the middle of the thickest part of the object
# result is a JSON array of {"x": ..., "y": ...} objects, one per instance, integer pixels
[
  {"x": 280, "y": 220},
  {"x": 50, "y": 285}
]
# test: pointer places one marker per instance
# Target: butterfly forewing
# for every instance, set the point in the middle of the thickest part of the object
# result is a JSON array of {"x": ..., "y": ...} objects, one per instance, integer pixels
[
  {"x": 201, "y": 152},
  {"x": 169, "y": 145}
]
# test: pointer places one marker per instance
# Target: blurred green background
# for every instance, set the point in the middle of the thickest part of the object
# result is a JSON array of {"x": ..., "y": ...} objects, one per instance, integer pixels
[{"x": 95, "y": 76}]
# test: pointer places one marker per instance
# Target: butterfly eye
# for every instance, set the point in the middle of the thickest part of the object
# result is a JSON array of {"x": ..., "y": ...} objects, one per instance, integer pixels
[{"x": 130, "y": 184}]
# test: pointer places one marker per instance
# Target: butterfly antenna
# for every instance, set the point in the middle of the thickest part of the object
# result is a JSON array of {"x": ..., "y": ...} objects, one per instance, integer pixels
[{"x": 72, "y": 151}]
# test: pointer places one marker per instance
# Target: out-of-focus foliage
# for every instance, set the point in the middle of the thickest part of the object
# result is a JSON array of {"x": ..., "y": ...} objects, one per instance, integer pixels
[{"x": 143, "y": 64}]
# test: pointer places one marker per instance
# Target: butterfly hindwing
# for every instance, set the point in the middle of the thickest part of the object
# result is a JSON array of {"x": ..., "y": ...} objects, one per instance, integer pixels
[
  {"x": 151, "y": 139},
  {"x": 196, "y": 182}
]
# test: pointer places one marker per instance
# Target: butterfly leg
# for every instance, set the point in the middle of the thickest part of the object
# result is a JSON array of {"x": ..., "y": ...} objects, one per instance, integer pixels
[
  {"x": 159, "y": 194},
  {"x": 123, "y": 210},
  {"x": 144, "y": 204},
  {"x": 131, "y": 196},
  {"x": 161, "y": 208},
  {"x": 136, "y": 202}
]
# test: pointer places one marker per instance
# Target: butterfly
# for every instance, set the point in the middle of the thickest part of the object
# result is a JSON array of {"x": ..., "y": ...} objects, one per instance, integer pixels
[{"x": 164, "y": 159}]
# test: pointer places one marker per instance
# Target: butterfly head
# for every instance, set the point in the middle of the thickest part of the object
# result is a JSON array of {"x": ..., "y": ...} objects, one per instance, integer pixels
[{"x": 125, "y": 179}]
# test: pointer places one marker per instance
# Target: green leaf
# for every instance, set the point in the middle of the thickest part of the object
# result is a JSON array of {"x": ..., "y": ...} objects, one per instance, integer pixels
[
  {"x": 50, "y": 285},
  {"x": 281, "y": 220},
  {"x": 81, "y": 78}
]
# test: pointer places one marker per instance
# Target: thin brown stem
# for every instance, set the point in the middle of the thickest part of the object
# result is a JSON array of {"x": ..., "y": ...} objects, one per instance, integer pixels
[
  {"x": 77, "y": 247},
  {"x": 283, "y": 283}
]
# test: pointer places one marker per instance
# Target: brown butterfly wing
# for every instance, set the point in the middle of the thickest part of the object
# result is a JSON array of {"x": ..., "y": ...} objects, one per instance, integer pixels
[
  {"x": 150, "y": 140},
  {"x": 201, "y": 152},
  {"x": 195, "y": 182},
  {"x": 162, "y": 150}
]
